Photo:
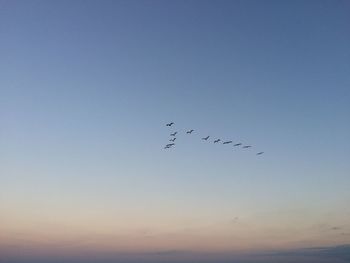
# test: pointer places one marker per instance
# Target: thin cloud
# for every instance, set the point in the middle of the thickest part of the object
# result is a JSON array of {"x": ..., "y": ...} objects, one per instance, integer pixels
[
  {"x": 336, "y": 228},
  {"x": 173, "y": 252},
  {"x": 341, "y": 252}
]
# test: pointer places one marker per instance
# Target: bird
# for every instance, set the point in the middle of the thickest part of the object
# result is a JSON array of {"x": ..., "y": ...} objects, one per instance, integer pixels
[
  {"x": 217, "y": 140},
  {"x": 189, "y": 132},
  {"x": 259, "y": 153},
  {"x": 173, "y": 134},
  {"x": 173, "y": 140},
  {"x": 205, "y": 138},
  {"x": 169, "y": 124},
  {"x": 169, "y": 145},
  {"x": 227, "y": 142},
  {"x": 237, "y": 144},
  {"x": 246, "y": 146}
]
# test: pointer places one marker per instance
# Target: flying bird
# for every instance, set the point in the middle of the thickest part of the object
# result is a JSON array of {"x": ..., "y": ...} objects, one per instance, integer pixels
[
  {"x": 189, "y": 132},
  {"x": 227, "y": 142},
  {"x": 168, "y": 145},
  {"x": 237, "y": 144},
  {"x": 169, "y": 124},
  {"x": 173, "y": 134},
  {"x": 259, "y": 153},
  {"x": 247, "y": 146},
  {"x": 173, "y": 140},
  {"x": 205, "y": 138},
  {"x": 217, "y": 140}
]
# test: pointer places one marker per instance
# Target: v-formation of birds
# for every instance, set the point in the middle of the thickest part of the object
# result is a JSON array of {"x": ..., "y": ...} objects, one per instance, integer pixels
[{"x": 173, "y": 139}]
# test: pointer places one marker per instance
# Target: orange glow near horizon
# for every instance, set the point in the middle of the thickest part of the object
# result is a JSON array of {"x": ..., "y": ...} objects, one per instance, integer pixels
[{"x": 78, "y": 234}]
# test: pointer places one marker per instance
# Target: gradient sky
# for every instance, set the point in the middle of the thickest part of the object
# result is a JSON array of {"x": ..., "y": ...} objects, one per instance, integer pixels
[{"x": 88, "y": 86}]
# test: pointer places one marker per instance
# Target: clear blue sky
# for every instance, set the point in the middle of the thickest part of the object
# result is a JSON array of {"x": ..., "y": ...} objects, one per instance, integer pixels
[{"x": 88, "y": 86}]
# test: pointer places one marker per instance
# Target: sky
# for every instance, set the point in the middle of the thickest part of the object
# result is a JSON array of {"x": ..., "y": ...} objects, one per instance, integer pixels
[{"x": 87, "y": 88}]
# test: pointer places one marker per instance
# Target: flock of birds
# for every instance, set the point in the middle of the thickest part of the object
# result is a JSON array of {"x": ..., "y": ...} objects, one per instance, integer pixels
[{"x": 173, "y": 139}]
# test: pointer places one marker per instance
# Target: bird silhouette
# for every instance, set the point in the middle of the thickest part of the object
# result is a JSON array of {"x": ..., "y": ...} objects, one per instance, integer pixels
[
  {"x": 189, "y": 132},
  {"x": 227, "y": 142},
  {"x": 168, "y": 146},
  {"x": 237, "y": 144},
  {"x": 169, "y": 124},
  {"x": 246, "y": 146},
  {"x": 217, "y": 140},
  {"x": 173, "y": 140},
  {"x": 173, "y": 134},
  {"x": 205, "y": 138},
  {"x": 259, "y": 153}
]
